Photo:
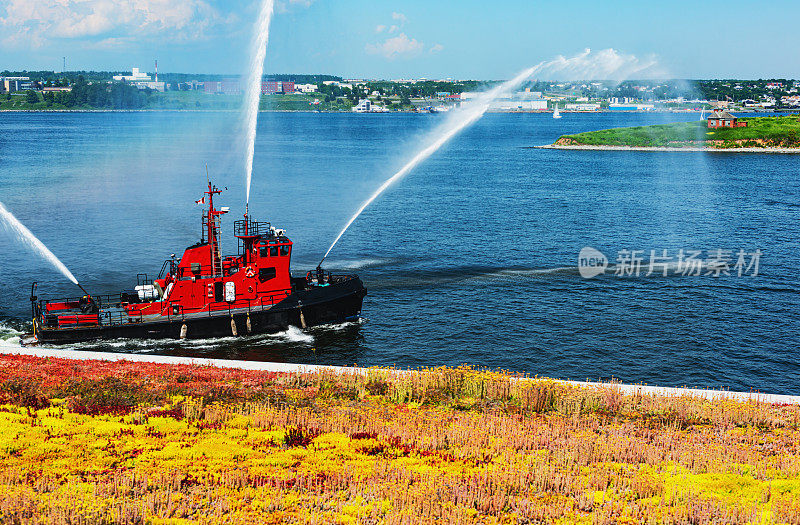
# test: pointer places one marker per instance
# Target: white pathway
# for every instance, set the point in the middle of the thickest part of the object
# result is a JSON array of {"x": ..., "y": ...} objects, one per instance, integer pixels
[{"x": 290, "y": 367}]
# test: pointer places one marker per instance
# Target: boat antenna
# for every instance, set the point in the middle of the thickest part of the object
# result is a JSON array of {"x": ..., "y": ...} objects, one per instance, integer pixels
[{"x": 207, "y": 179}]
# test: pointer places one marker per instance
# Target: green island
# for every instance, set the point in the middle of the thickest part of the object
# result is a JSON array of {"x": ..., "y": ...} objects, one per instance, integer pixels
[{"x": 762, "y": 133}]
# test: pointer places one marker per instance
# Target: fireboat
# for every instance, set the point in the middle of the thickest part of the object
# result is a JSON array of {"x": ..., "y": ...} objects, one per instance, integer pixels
[{"x": 206, "y": 295}]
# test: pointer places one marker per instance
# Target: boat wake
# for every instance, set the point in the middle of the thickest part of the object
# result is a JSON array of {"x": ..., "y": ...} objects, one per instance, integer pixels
[
  {"x": 338, "y": 327},
  {"x": 357, "y": 264},
  {"x": 292, "y": 335},
  {"x": 445, "y": 276},
  {"x": 9, "y": 336}
]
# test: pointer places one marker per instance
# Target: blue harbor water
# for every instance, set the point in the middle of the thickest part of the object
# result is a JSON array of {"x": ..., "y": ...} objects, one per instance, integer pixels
[{"x": 472, "y": 259}]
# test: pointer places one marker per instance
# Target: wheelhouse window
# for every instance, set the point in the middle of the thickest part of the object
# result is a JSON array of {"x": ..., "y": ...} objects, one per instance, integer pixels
[
  {"x": 285, "y": 250},
  {"x": 265, "y": 274},
  {"x": 269, "y": 251}
]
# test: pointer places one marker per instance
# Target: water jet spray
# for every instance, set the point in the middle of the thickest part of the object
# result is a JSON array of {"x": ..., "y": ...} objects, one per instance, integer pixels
[
  {"x": 607, "y": 63},
  {"x": 252, "y": 97},
  {"x": 24, "y": 235},
  {"x": 460, "y": 119}
]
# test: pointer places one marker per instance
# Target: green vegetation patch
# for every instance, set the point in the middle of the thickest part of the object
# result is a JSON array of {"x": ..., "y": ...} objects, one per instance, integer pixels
[{"x": 760, "y": 132}]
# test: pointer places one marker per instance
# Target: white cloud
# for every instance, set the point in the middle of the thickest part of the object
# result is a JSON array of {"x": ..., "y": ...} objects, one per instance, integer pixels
[
  {"x": 394, "y": 29},
  {"x": 400, "y": 17},
  {"x": 606, "y": 64},
  {"x": 34, "y": 23},
  {"x": 380, "y": 28},
  {"x": 400, "y": 46},
  {"x": 435, "y": 48}
]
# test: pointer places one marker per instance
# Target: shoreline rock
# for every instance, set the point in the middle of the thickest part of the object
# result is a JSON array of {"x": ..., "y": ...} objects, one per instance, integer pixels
[{"x": 666, "y": 149}]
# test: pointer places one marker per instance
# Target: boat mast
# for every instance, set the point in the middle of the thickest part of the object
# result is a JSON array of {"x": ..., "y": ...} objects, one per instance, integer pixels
[{"x": 212, "y": 227}]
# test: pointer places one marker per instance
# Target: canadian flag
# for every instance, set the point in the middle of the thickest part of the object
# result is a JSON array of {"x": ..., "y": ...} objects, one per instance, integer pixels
[{"x": 201, "y": 201}]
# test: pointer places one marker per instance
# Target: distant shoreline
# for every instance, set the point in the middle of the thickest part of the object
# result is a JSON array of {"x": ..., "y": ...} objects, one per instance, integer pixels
[
  {"x": 676, "y": 149},
  {"x": 157, "y": 110},
  {"x": 209, "y": 110}
]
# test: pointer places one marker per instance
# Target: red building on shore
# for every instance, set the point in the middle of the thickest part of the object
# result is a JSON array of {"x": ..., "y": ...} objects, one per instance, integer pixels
[{"x": 723, "y": 119}]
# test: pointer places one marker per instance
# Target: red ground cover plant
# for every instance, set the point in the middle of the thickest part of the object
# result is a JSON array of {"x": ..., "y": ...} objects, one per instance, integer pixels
[{"x": 123, "y": 442}]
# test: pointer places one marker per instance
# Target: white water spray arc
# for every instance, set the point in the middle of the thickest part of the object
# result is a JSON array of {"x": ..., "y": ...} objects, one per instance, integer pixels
[
  {"x": 605, "y": 64},
  {"x": 24, "y": 235},
  {"x": 459, "y": 120},
  {"x": 252, "y": 96}
]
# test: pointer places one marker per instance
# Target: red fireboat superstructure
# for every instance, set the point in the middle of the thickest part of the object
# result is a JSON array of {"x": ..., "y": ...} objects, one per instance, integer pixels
[{"x": 206, "y": 294}]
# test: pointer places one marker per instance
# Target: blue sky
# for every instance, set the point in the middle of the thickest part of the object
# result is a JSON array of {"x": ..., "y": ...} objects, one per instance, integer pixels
[{"x": 402, "y": 38}]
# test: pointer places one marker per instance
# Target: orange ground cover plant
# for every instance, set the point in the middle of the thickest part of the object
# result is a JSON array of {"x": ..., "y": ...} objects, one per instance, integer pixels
[{"x": 122, "y": 442}]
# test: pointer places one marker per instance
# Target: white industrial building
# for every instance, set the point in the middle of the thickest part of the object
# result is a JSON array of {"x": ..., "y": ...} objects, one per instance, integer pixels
[
  {"x": 141, "y": 80},
  {"x": 343, "y": 85},
  {"x": 135, "y": 76},
  {"x": 365, "y": 105},
  {"x": 582, "y": 107},
  {"x": 306, "y": 88}
]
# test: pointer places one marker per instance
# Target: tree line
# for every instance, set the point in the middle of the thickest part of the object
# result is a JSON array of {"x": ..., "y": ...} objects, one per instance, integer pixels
[{"x": 99, "y": 95}]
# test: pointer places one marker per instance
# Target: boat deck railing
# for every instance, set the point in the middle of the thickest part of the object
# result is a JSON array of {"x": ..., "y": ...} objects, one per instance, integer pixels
[
  {"x": 176, "y": 311},
  {"x": 242, "y": 228}
]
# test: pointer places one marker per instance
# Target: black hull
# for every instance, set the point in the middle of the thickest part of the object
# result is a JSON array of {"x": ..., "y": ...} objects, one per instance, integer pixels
[{"x": 315, "y": 306}]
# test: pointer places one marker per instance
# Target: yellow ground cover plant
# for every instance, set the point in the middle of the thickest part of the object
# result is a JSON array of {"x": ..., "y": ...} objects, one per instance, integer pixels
[{"x": 121, "y": 442}]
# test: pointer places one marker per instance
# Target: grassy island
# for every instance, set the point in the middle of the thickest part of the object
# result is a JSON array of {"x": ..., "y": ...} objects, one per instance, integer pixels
[
  {"x": 761, "y": 132},
  {"x": 124, "y": 442}
]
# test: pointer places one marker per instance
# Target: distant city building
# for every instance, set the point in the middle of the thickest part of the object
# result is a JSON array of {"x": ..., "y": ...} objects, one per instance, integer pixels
[
  {"x": 228, "y": 86},
  {"x": 365, "y": 105},
  {"x": 518, "y": 105},
  {"x": 192, "y": 85},
  {"x": 9, "y": 84},
  {"x": 723, "y": 119},
  {"x": 155, "y": 86},
  {"x": 621, "y": 100},
  {"x": 306, "y": 88},
  {"x": 232, "y": 86},
  {"x": 56, "y": 89},
  {"x": 631, "y": 107},
  {"x": 135, "y": 76},
  {"x": 141, "y": 80},
  {"x": 338, "y": 84},
  {"x": 794, "y": 100},
  {"x": 271, "y": 87},
  {"x": 582, "y": 107}
]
